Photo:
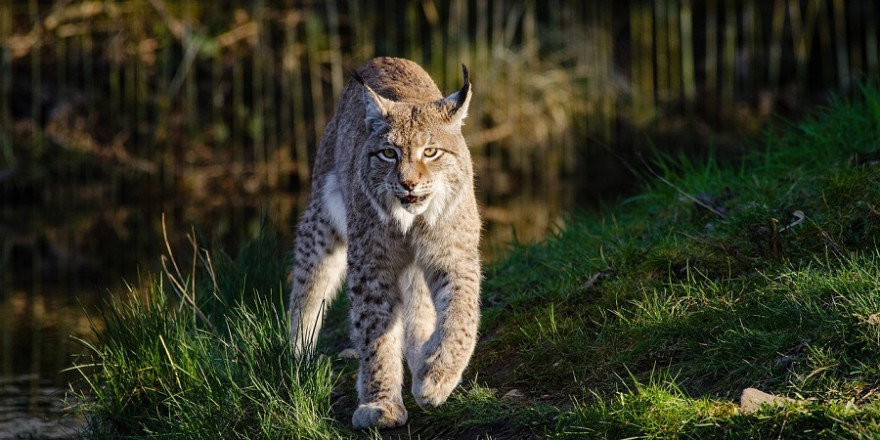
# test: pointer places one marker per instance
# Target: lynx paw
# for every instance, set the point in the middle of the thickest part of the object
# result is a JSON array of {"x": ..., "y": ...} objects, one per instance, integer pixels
[
  {"x": 379, "y": 415},
  {"x": 431, "y": 390}
]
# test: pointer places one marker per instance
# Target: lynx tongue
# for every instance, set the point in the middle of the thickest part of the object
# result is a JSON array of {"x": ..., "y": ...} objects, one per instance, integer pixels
[{"x": 410, "y": 199}]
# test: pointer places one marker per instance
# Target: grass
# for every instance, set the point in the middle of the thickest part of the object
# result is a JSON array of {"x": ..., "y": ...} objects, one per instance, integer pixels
[
  {"x": 221, "y": 369},
  {"x": 644, "y": 321}
]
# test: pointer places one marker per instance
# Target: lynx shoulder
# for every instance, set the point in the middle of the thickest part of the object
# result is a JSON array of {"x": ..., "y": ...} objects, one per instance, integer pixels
[{"x": 393, "y": 210}]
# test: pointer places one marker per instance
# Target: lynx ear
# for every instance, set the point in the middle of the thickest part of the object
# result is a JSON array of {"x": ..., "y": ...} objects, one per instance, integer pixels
[
  {"x": 456, "y": 104},
  {"x": 376, "y": 106}
]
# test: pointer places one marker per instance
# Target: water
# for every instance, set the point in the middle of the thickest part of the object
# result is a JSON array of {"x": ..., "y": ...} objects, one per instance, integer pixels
[
  {"x": 38, "y": 321},
  {"x": 31, "y": 407}
]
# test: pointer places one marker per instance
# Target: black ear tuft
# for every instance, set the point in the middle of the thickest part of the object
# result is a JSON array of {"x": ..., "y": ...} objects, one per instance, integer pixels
[
  {"x": 464, "y": 93},
  {"x": 357, "y": 77},
  {"x": 456, "y": 104}
]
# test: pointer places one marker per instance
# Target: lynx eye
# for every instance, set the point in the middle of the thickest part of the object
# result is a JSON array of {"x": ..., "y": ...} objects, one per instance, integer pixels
[
  {"x": 430, "y": 152},
  {"x": 388, "y": 154}
]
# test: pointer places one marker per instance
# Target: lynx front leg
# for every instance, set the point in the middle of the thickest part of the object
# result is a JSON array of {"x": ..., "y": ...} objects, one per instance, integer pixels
[
  {"x": 377, "y": 332},
  {"x": 317, "y": 274},
  {"x": 456, "y": 297}
]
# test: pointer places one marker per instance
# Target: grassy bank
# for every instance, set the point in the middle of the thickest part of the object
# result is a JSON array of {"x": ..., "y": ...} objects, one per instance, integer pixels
[{"x": 647, "y": 320}]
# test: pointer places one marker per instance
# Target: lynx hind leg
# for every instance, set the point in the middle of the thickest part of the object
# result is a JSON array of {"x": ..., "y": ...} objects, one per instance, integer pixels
[
  {"x": 317, "y": 274},
  {"x": 420, "y": 316}
]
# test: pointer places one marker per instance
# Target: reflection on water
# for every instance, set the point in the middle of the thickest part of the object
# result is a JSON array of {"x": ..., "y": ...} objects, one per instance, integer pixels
[
  {"x": 36, "y": 325},
  {"x": 64, "y": 256},
  {"x": 31, "y": 406}
]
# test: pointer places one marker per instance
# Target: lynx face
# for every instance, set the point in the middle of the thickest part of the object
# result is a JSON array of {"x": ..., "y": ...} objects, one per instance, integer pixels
[{"x": 416, "y": 159}]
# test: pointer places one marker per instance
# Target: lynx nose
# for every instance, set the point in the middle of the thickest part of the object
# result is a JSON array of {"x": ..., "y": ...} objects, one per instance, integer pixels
[{"x": 408, "y": 184}]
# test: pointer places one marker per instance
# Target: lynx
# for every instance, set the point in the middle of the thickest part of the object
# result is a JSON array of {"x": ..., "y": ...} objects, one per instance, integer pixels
[{"x": 393, "y": 205}]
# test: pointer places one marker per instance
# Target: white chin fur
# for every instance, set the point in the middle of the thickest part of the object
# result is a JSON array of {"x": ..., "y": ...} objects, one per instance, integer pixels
[{"x": 402, "y": 216}]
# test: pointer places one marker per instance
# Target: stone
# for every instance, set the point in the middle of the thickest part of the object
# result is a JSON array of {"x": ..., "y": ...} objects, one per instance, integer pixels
[
  {"x": 752, "y": 399},
  {"x": 513, "y": 395}
]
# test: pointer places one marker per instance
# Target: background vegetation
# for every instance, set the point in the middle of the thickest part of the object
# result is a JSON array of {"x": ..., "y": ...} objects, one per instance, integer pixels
[{"x": 202, "y": 95}]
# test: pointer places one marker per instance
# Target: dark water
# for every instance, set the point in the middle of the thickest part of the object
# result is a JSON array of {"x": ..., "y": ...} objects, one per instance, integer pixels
[{"x": 36, "y": 347}]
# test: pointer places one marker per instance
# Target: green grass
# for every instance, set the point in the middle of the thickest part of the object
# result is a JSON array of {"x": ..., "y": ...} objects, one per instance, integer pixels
[
  {"x": 221, "y": 369},
  {"x": 716, "y": 278},
  {"x": 644, "y": 321}
]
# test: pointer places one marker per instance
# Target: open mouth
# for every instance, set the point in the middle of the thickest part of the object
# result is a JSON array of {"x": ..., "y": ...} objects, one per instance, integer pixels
[{"x": 409, "y": 200}]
